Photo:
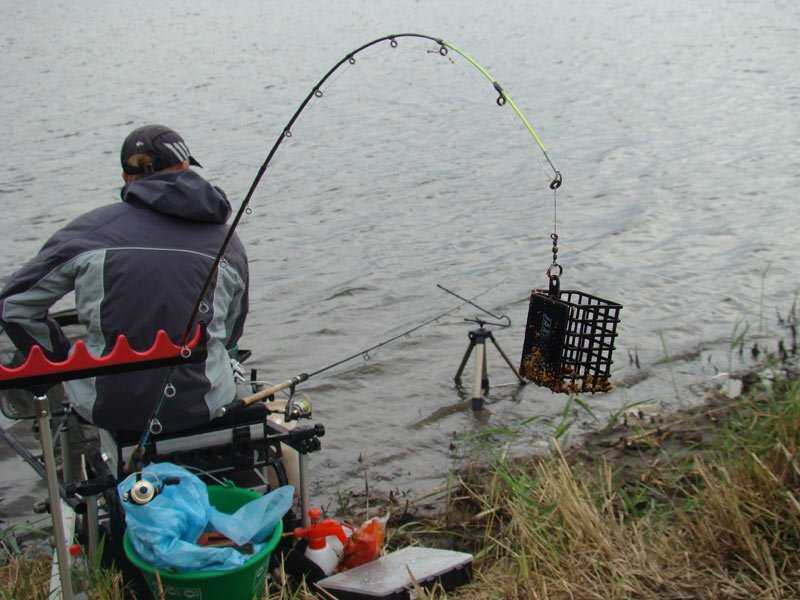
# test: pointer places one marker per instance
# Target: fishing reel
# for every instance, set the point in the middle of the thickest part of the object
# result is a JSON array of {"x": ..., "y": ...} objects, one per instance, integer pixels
[
  {"x": 144, "y": 491},
  {"x": 297, "y": 408}
]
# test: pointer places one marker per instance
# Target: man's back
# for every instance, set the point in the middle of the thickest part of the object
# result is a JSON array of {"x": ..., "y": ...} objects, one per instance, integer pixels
[{"x": 139, "y": 266}]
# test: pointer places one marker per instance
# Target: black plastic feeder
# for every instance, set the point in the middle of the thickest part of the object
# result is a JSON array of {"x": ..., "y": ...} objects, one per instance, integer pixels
[{"x": 569, "y": 340}]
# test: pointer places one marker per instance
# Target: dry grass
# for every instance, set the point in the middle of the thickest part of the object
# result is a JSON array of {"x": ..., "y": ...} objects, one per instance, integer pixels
[
  {"x": 24, "y": 574},
  {"x": 719, "y": 521}
]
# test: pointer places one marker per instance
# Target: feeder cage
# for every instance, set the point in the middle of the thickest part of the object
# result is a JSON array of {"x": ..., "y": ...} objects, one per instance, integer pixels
[{"x": 569, "y": 340}]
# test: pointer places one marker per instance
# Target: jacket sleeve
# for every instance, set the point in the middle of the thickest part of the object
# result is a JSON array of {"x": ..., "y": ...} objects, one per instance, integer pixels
[
  {"x": 241, "y": 306},
  {"x": 27, "y": 297},
  {"x": 235, "y": 286}
]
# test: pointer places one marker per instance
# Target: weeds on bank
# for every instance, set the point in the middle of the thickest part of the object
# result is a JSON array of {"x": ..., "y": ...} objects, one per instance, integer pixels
[
  {"x": 25, "y": 570},
  {"x": 97, "y": 581},
  {"x": 719, "y": 520},
  {"x": 23, "y": 574}
]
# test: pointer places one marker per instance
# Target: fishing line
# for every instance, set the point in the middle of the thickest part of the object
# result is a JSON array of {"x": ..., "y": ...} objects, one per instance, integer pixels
[{"x": 365, "y": 354}]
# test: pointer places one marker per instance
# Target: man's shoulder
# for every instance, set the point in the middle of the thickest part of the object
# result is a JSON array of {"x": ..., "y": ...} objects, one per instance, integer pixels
[
  {"x": 100, "y": 214},
  {"x": 89, "y": 224}
]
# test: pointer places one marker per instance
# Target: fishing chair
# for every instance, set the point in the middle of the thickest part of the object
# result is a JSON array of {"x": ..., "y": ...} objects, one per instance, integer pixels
[{"x": 243, "y": 446}]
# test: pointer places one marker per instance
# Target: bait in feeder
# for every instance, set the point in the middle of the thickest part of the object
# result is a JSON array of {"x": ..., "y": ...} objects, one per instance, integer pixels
[{"x": 569, "y": 340}]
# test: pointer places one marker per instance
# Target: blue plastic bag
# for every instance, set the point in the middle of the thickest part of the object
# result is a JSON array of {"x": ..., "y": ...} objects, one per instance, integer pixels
[{"x": 164, "y": 531}]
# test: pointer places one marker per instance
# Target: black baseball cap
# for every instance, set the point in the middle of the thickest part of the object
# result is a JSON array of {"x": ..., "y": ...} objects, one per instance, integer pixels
[{"x": 160, "y": 143}]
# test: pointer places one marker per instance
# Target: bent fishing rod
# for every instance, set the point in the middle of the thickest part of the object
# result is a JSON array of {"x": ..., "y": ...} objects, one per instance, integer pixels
[{"x": 153, "y": 425}]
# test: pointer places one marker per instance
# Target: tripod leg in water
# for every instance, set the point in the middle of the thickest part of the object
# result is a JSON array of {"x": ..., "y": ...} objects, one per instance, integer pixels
[
  {"x": 508, "y": 361},
  {"x": 480, "y": 378}
]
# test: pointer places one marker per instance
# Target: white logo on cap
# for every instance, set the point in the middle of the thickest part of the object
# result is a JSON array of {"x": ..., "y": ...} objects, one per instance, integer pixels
[{"x": 180, "y": 150}]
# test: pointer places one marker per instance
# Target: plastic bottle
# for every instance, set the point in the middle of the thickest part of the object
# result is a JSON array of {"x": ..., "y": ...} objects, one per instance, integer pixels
[
  {"x": 76, "y": 557},
  {"x": 334, "y": 542},
  {"x": 323, "y": 554}
]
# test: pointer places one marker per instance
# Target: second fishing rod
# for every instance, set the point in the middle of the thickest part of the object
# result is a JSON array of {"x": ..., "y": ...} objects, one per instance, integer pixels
[{"x": 267, "y": 393}]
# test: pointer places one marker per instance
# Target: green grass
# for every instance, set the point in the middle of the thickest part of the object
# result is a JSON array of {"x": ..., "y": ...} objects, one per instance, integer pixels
[{"x": 25, "y": 571}]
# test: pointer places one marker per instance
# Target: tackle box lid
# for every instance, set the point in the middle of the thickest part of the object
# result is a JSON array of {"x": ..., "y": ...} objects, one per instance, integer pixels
[{"x": 388, "y": 577}]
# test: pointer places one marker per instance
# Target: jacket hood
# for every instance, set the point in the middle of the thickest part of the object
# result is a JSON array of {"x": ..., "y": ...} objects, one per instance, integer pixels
[{"x": 184, "y": 194}]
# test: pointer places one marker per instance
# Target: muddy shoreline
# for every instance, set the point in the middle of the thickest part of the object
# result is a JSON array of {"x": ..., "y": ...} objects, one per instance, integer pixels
[{"x": 637, "y": 440}]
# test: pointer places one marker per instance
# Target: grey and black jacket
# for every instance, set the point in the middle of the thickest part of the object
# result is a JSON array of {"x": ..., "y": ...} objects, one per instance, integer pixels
[{"x": 138, "y": 266}]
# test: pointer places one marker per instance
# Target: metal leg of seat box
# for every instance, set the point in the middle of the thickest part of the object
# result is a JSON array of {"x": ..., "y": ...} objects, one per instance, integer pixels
[
  {"x": 45, "y": 435},
  {"x": 304, "y": 499}
]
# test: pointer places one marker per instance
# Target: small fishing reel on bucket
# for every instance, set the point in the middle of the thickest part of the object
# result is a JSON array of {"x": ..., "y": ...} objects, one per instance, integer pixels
[{"x": 143, "y": 490}]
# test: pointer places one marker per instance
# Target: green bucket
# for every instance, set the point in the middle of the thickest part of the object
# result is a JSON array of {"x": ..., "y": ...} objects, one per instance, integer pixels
[{"x": 244, "y": 583}]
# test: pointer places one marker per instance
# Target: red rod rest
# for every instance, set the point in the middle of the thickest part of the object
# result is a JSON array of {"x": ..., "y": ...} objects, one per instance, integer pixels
[{"x": 37, "y": 369}]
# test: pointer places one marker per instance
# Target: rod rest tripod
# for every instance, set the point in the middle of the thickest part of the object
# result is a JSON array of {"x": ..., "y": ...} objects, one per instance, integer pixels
[{"x": 480, "y": 379}]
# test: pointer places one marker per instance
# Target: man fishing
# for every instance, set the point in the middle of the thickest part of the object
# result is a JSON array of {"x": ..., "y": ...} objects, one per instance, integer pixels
[{"x": 138, "y": 266}]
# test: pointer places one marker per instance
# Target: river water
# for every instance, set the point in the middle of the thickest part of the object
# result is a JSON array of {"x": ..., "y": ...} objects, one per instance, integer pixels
[{"x": 675, "y": 126}]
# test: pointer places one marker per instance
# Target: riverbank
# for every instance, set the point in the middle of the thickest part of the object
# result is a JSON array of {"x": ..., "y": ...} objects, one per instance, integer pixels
[{"x": 700, "y": 503}]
